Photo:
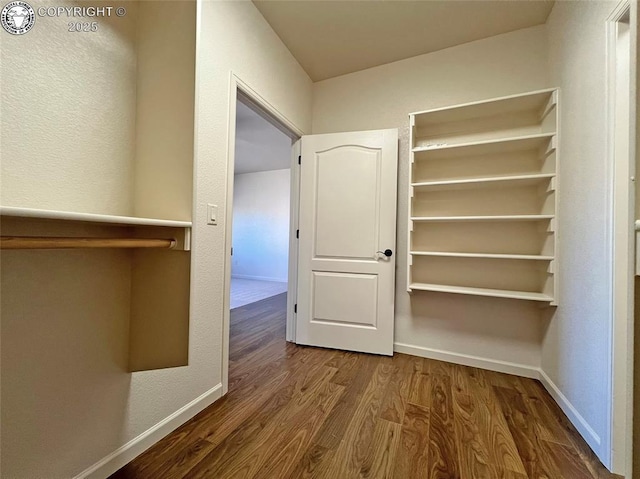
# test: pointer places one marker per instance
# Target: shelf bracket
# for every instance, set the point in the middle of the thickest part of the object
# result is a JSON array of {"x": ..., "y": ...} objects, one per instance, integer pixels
[{"x": 546, "y": 109}]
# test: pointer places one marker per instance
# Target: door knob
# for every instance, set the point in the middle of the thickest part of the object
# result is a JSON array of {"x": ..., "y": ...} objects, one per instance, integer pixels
[{"x": 386, "y": 252}]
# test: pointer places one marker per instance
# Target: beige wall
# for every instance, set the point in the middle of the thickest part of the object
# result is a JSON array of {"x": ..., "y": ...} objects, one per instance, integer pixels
[
  {"x": 68, "y": 115},
  {"x": 498, "y": 333},
  {"x": 163, "y": 184},
  {"x": 576, "y": 352},
  {"x": 67, "y": 400}
]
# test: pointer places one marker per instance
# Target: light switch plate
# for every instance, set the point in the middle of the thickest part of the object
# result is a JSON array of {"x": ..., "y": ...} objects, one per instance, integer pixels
[{"x": 212, "y": 214}]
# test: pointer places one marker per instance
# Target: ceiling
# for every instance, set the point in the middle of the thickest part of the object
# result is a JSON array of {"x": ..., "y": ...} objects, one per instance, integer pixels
[
  {"x": 260, "y": 146},
  {"x": 332, "y": 38}
]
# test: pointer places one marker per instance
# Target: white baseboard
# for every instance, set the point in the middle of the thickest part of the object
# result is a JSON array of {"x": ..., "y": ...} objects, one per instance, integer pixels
[
  {"x": 467, "y": 360},
  {"x": 581, "y": 424},
  {"x": 259, "y": 278},
  {"x": 125, "y": 454}
]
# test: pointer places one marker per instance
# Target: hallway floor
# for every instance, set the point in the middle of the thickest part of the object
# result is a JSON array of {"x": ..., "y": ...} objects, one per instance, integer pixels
[
  {"x": 247, "y": 291},
  {"x": 302, "y": 412}
]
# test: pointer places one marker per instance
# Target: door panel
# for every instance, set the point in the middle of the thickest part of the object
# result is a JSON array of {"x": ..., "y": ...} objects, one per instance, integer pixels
[
  {"x": 347, "y": 211},
  {"x": 345, "y": 298},
  {"x": 347, "y": 216}
]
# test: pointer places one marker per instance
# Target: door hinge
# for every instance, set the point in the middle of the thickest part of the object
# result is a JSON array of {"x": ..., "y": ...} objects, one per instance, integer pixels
[
  {"x": 295, "y": 308},
  {"x": 231, "y": 251},
  {"x": 297, "y": 234},
  {"x": 299, "y": 159}
]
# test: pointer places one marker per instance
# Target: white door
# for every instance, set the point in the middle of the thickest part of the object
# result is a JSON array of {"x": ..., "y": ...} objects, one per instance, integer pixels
[{"x": 347, "y": 219}]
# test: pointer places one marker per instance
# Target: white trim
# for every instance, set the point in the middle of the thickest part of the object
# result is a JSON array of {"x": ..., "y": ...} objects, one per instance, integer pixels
[
  {"x": 468, "y": 360},
  {"x": 580, "y": 423},
  {"x": 237, "y": 87},
  {"x": 620, "y": 239},
  {"x": 259, "y": 278},
  {"x": 125, "y": 454}
]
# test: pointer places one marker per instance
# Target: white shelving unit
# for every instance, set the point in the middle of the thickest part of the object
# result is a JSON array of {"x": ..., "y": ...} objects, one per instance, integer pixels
[
  {"x": 90, "y": 217},
  {"x": 483, "y": 198}
]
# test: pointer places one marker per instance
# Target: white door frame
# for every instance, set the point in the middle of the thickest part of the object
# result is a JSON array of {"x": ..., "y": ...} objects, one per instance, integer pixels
[
  {"x": 239, "y": 88},
  {"x": 622, "y": 236}
]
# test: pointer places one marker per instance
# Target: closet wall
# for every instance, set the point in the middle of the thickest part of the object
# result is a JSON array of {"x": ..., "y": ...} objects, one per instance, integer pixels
[
  {"x": 69, "y": 106},
  {"x": 68, "y": 143},
  {"x": 68, "y": 138},
  {"x": 494, "y": 333},
  {"x": 576, "y": 351}
]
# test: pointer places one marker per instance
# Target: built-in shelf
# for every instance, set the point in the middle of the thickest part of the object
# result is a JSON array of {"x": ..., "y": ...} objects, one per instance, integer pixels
[
  {"x": 511, "y": 180},
  {"x": 496, "y": 293},
  {"x": 90, "y": 217},
  {"x": 483, "y": 218},
  {"x": 486, "y": 147},
  {"x": 532, "y": 257},
  {"x": 483, "y": 178},
  {"x": 539, "y": 101}
]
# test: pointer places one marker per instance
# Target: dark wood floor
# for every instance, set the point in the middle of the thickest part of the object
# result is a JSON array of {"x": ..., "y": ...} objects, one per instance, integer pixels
[{"x": 301, "y": 412}]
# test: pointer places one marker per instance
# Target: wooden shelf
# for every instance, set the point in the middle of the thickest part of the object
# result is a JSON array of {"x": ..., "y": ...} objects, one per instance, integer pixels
[
  {"x": 483, "y": 218},
  {"x": 495, "y": 293},
  {"x": 483, "y": 255},
  {"x": 539, "y": 102},
  {"x": 90, "y": 218},
  {"x": 486, "y": 147},
  {"x": 513, "y": 180}
]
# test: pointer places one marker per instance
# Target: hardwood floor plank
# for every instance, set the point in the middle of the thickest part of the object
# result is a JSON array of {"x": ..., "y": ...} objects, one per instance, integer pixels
[
  {"x": 473, "y": 450},
  {"x": 297, "y": 412},
  {"x": 333, "y": 430},
  {"x": 380, "y": 460},
  {"x": 348, "y": 365},
  {"x": 397, "y": 394},
  {"x": 493, "y": 430},
  {"x": 186, "y": 458},
  {"x": 547, "y": 428},
  {"x": 313, "y": 463},
  {"x": 287, "y": 451},
  {"x": 412, "y": 457},
  {"x": 567, "y": 460},
  {"x": 280, "y": 456},
  {"x": 240, "y": 454},
  {"x": 443, "y": 451},
  {"x": 358, "y": 435},
  {"x": 420, "y": 382},
  {"x": 536, "y": 461}
]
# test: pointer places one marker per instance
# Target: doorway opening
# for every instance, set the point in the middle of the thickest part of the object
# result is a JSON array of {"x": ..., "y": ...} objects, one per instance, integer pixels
[
  {"x": 261, "y": 209},
  {"x": 260, "y": 241}
]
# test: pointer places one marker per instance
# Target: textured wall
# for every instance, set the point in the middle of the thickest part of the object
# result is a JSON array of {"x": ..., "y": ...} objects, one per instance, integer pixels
[
  {"x": 261, "y": 208},
  {"x": 490, "y": 329},
  {"x": 68, "y": 115},
  {"x": 576, "y": 351},
  {"x": 163, "y": 186}
]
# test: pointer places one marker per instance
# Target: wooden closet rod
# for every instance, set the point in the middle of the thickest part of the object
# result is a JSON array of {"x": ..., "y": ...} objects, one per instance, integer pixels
[{"x": 35, "y": 242}]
